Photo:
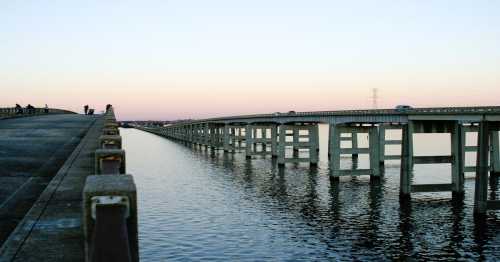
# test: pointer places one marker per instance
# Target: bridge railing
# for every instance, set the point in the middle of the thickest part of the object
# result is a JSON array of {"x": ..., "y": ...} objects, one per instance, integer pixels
[
  {"x": 110, "y": 202},
  {"x": 362, "y": 112},
  {"x": 7, "y": 112}
]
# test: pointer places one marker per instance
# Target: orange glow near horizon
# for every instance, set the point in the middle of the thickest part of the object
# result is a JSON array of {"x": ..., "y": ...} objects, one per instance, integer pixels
[{"x": 202, "y": 95}]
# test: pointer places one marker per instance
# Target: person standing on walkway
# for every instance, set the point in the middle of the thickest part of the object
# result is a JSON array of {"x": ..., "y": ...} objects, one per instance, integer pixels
[
  {"x": 19, "y": 109},
  {"x": 86, "y": 109}
]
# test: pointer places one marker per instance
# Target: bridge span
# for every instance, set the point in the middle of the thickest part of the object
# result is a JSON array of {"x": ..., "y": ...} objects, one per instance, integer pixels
[{"x": 293, "y": 138}]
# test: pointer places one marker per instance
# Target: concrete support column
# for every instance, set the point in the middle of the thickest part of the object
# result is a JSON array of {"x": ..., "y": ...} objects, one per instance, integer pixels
[
  {"x": 226, "y": 138},
  {"x": 495, "y": 153},
  {"x": 274, "y": 141},
  {"x": 314, "y": 145},
  {"x": 381, "y": 139},
  {"x": 334, "y": 142},
  {"x": 481, "y": 187},
  {"x": 354, "y": 139},
  {"x": 406, "y": 175},
  {"x": 263, "y": 134},
  {"x": 458, "y": 155},
  {"x": 248, "y": 141},
  {"x": 254, "y": 135},
  {"x": 330, "y": 128},
  {"x": 206, "y": 135},
  {"x": 239, "y": 136},
  {"x": 374, "y": 141},
  {"x": 296, "y": 134},
  {"x": 281, "y": 145}
]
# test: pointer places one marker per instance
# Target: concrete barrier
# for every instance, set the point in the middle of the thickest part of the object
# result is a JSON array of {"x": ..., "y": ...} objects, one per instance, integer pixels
[
  {"x": 11, "y": 112},
  {"x": 110, "y": 142},
  {"x": 110, "y": 161},
  {"x": 110, "y": 202},
  {"x": 110, "y": 218},
  {"x": 110, "y": 131}
]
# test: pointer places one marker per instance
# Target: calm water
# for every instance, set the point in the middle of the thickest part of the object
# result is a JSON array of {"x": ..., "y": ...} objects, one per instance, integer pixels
[{"x": 195, "y": 205}]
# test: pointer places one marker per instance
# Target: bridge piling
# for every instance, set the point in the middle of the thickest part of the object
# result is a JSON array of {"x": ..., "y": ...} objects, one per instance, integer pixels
[
  {"x": 482, "y": 169},
  {"x": 336, "y": 150},
  {"x": 495, "y": 153},
  {"x": 309, "y": 142},
  {"x": 406, "y": 174},
  {"x": 248, "y": 141},
  {"x": 458, "y": 162},
  {"x": 354, "y": 144}
]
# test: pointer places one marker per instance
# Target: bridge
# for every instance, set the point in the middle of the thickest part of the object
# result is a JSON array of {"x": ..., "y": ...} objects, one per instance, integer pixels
[
  {"x": 64, "y": 194},
  {"x": 293, "y": 138}
]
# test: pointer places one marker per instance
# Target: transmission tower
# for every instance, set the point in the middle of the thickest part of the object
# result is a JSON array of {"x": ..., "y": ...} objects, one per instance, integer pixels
[{"x": 374, "y": 98}]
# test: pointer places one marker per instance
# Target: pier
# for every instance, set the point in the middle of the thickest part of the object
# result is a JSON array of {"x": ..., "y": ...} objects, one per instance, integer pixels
[{"x": 65, "y": 194}]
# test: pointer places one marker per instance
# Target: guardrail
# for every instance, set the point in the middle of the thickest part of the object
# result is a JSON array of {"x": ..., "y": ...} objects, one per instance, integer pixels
[
  {"x": 110, "y": 202},
  {"x": 21, "y": 112},
  {"x": 483, "y": 110}
]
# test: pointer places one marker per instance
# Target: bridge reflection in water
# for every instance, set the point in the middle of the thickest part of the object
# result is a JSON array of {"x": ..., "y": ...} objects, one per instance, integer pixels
[{"x": 198, "y": 204}]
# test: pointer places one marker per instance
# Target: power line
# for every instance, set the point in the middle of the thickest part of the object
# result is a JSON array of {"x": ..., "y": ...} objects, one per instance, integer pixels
[{"x": 374, "y": 98}]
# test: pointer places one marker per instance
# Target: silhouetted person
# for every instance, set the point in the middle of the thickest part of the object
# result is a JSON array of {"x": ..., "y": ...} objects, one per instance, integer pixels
[
  {"x": 108, "y": 106},
  {"x": 86, "y": 109},
  {"x": 30, "y": 109},
  {"x": 19, "y": 109},
  {"x": 46, "y": 109},
  {"x": 91, "y": 111}
]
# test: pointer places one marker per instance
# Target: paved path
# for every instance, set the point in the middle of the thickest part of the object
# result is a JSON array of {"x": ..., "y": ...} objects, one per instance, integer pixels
[{"x": 32, "y": 150}]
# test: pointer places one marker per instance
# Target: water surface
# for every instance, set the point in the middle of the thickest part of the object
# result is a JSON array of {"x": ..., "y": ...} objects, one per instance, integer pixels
[{"x": 197, "y": 205}]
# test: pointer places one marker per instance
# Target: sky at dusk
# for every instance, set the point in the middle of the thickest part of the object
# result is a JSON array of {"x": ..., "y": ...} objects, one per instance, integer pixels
[{"x": 195, "y": 59}]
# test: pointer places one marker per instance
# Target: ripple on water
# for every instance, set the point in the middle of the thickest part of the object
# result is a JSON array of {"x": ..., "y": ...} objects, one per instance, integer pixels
[{"x": 199, "y": 206}]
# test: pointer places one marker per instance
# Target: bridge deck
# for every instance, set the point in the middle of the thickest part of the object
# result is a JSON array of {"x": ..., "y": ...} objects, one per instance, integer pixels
[{"x": 32, "y": 150}]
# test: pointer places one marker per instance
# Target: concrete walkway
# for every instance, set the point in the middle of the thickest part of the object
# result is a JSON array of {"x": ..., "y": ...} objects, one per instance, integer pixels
[{"x": 32, "y": 150}]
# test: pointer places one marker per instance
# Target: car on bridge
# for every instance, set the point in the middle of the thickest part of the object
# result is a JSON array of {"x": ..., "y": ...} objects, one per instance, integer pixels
[{"x": 403, "y": 108}]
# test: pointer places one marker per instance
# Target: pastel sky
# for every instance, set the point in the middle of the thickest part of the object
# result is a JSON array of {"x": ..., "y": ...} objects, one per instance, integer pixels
[{"x": 175, "y": 59}]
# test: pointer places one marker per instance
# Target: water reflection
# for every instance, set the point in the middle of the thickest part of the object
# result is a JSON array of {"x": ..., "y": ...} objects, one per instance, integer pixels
[{"x": 226, "y": 207}]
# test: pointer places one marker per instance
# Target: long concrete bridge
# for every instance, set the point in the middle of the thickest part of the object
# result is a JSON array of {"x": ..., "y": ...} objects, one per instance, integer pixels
[
  {"x": 64, "y": 192},
  {"x": 293, "y": 138}
]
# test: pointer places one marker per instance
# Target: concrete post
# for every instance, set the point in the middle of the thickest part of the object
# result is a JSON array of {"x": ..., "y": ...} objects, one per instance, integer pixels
[
  {"x": 226, "y": 138},
  {"x": 334, "y": 141},
  {"x": 481, "y": 187},
  {"x": 381, "y": 139},
  {"x": 263, "y": 134},
  {"x": 458, "y": 155},
  {"x": 354, "y": 139},
  {"x": 110, "y": 142},
  {"x": 329, "y": 140},
  {"x": 374, "y": 141},
  {"x": 248, "y": 141},
  {"x": 296, "y": 134},
  {"x": 110, "y": 161},
  {"x": 239, "y": 136},
  {"x": 206, "y": 136},
  {"x": 406, "y": 175},
  {"x": 314, "y": 145},
  {"x": 495, "y": 154},
  {"x": 274, "y": 141},
  {"x": 254, "y": 135},
  {"x": 113, "y": 191},
  {"x": 281, "y": 145}
]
